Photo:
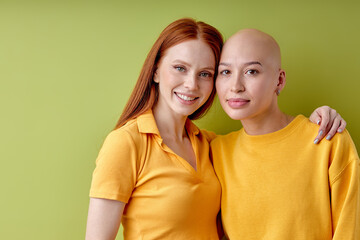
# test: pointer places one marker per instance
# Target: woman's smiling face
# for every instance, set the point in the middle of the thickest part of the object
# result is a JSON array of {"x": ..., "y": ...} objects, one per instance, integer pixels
[{"x": 185, "y": 75}]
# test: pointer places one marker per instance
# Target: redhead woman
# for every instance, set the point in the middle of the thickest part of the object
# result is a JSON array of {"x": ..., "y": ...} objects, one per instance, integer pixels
[{"x": 153, "y": 173}]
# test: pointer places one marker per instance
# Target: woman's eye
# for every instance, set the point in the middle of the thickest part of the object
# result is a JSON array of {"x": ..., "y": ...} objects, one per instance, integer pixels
[
  {"x": 180, "y": 69},
  {"x": 205, "y": 74},
  {"x": 225, "y": 72},
  {"x": 251, "y": 71}
]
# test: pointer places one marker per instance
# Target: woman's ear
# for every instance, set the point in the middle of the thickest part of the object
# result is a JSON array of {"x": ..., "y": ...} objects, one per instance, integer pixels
[
  {"x": 281, "y": 80},
  {"x": 156, "y": 77}
]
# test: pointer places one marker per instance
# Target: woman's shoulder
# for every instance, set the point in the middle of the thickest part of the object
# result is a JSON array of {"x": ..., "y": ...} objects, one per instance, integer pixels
[
  {"x": 130, "y": 127},
  {"x": 128, "y": 134},
  {"x": 224, "y": 139}
]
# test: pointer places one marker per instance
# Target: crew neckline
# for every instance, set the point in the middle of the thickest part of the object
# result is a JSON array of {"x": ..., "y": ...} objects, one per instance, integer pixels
[{"x": 274, "y": 136}]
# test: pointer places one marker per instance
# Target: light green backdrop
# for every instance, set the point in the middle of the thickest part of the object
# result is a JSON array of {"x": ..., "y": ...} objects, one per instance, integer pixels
[{"x": 67, "y": 68}]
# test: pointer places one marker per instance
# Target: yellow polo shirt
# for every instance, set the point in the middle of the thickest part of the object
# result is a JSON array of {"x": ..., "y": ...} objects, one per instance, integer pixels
[{"x": 165, "y": 197}]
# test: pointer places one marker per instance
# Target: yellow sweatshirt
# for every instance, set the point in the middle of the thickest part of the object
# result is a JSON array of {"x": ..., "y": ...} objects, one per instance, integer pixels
[{"x": 281, "y": 186}]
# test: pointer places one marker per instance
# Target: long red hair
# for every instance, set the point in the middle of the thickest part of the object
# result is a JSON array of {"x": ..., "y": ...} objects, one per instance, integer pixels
[{"x": 145, "y": 93}]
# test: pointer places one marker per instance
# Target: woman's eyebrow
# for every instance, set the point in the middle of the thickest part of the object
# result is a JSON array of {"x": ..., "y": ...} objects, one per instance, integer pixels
[
  {"x": 252, "y": 63},
  {"x": 246, "y": 64},
  {"x": 224, "y": 64},
  {"x": 187, "y": 64}
]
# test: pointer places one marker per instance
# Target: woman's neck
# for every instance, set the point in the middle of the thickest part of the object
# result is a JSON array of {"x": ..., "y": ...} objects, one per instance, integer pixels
[
  {"x": 267, "y": 122},
  {"x": 171, "y": 126}
]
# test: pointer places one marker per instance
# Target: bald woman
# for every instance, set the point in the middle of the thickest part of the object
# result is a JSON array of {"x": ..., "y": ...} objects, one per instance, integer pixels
[{"x": 276, "y": 185}]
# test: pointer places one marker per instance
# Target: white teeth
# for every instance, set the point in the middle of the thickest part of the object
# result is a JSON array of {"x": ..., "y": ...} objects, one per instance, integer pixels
[{"x": 186, "y": 98}]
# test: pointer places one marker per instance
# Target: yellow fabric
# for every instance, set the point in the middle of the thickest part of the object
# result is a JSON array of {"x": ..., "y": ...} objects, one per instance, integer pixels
[
  {"x": 281, "y": 186},
  {"x": 166, "y": 198}
]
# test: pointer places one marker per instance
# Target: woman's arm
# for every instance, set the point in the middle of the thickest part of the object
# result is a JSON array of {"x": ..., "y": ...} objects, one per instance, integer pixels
[
  {"x": 104, "y": 219},
  {"x": 330, "y": 122}
]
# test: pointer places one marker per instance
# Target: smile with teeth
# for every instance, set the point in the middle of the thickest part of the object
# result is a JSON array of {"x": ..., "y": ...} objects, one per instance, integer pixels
[{"x": 185, "y": 98}]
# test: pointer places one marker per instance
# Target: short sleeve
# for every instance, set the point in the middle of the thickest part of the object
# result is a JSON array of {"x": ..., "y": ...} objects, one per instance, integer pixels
[{"x": 116, "y": 168}]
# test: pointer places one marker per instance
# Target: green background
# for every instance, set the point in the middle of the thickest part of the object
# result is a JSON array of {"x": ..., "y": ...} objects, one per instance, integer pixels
[{"x": 68, "y": 67}]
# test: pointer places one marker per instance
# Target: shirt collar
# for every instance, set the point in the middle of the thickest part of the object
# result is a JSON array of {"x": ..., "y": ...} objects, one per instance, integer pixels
[
  {"x": 191, "y": 127},
  {"x": 146, "y": 124}
]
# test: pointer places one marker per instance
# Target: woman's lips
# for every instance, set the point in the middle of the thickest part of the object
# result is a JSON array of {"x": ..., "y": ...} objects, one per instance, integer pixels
[
  {"x": 185, "y": 98},
  {"x": 237, "y": 102}
]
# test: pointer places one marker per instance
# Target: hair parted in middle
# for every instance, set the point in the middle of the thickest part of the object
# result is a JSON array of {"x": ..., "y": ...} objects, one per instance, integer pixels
[{"x": 145, "y": 93}]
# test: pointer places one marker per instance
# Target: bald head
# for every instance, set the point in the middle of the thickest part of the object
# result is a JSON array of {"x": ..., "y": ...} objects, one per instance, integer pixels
[
  {"x": 250, "y": 77},
  {"x": 254, "y": 45}
]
